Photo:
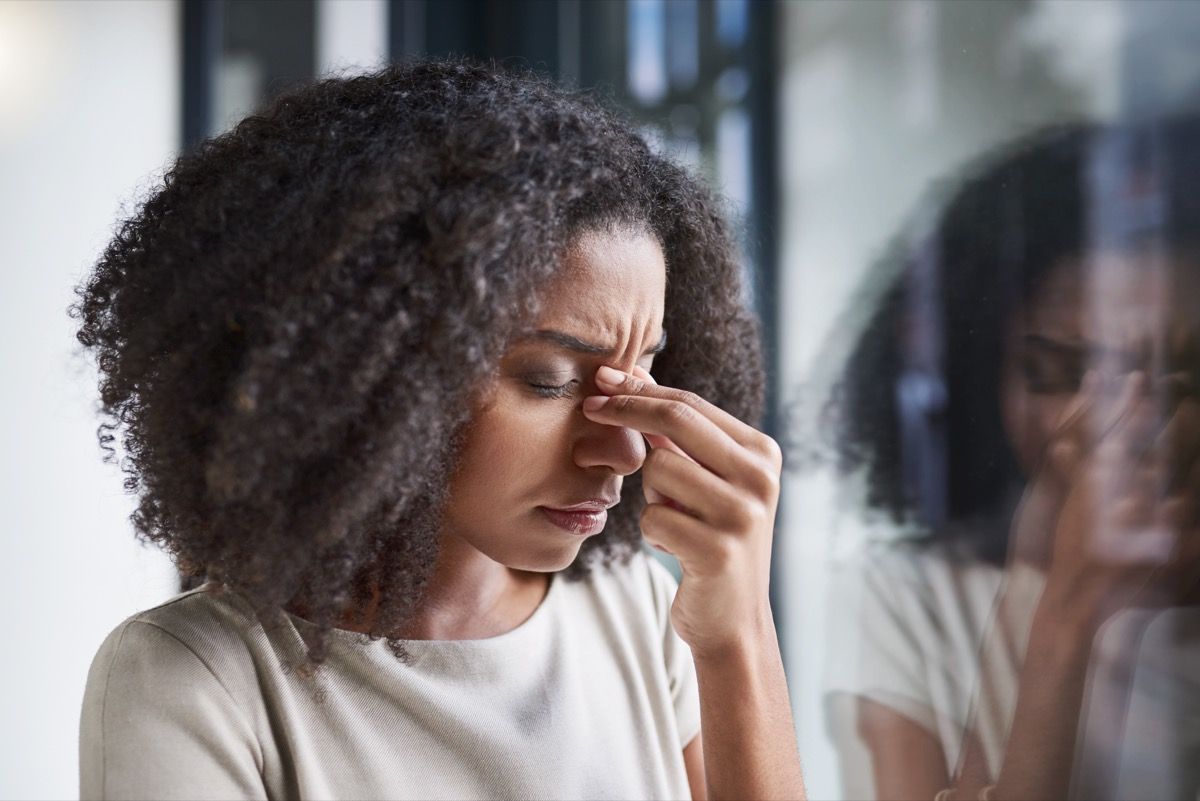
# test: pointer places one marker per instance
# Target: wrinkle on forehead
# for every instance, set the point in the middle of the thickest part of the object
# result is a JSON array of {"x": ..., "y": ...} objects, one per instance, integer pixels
[{"x": 610, "y": 291}]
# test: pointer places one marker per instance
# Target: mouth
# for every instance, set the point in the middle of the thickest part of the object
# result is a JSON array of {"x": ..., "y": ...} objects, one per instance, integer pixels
[{"x": 582, "y": 522}]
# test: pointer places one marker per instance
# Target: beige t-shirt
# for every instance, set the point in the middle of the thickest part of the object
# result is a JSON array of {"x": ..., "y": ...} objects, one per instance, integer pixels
[{"x": 594, "y": 696}]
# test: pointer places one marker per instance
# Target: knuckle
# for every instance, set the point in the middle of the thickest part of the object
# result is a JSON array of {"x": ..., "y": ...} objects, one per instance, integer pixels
[
  {"x": 748, "y": 516},
  {"x": 724, "y": 551},
  {"x": 769, "y": 448},
  {"x": 690, "y": 398},
  {"x": 634, "y": 385},
  {"x": 761, "y": 477},
  {"x": 624, "y": 403},
  {"x": 678, "y": 412}
]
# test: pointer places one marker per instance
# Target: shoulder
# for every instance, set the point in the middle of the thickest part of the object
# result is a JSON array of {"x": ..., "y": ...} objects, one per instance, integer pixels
[
  {"x": 199, "y": 634},
  {"x": 904, "y": 569},
  {"x": 202, "y": 620},
  {"x": 906, "y": 602},
  {"x": 165, "y": 689}
]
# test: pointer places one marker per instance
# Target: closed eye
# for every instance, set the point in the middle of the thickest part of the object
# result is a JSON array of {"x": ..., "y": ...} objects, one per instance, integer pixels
[{"x": 554, "y": 390}]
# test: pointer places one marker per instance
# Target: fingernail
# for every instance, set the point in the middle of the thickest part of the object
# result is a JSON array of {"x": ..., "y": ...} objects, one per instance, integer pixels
[
  {"x": 594, "y": 402},
  {"x": 607, "y": 375}
]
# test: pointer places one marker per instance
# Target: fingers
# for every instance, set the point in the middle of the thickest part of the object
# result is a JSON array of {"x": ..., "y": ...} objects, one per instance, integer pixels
[
  {"x": 656, "y": 440},
  {"x": 676, "y": 533},
  {"x": 703, "y": 495},
  {"x": 614, "y": 382},
  {"x": 698, "y": 436}
]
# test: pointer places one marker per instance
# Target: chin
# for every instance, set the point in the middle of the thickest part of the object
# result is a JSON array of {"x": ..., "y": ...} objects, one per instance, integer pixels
[{"x": 540, "y": 560}]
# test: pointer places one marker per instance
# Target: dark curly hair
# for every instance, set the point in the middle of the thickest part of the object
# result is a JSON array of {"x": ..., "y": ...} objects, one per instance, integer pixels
[
  {"x": 997, "y": 231},
  {"x": 291, "y": 329}
]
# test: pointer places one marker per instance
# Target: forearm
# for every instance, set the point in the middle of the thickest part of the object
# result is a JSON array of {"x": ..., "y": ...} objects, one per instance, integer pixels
[
  {"x": 1039, "y": 752},
  {"x": 750, "y": 749}
]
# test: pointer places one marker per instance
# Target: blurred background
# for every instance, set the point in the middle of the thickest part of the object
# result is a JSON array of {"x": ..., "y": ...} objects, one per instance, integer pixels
[{"x": 825, "y": 122}]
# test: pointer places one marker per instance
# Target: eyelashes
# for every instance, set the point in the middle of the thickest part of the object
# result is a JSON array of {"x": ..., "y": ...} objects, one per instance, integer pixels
[
  {"x": 553, "y": 390},
  {"x": 540, "y": 382}
]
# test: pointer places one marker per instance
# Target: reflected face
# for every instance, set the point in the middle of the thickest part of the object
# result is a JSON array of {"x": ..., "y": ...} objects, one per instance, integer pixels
[
  {"x": 529, "y": 449},
  {"x": 1115, "y": 313}
]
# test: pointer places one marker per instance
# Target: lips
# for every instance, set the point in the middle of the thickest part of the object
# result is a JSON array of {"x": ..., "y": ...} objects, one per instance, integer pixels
[
  {"x": 597, "y": 504},
  {"x": 583, "y": 523}
]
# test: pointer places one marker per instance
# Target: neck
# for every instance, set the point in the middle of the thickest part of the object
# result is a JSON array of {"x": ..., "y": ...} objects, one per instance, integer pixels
[{"x": 468, "y": 596}]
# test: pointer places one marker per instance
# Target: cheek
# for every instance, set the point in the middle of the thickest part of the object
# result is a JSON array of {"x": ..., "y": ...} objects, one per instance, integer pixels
[{"x": 512, "y": 444}]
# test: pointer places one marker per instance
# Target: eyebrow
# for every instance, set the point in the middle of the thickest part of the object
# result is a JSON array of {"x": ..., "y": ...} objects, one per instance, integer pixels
[{"x": 578, "y": 345}]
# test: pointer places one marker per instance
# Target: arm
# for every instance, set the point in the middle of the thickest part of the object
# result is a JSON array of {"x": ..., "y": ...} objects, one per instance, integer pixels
[
  {"x": 693, "y": 760},
  {"x": 712, "y": 483},
  {"x": 907, "y": 761},
  {"x": 750, "y": 750}
]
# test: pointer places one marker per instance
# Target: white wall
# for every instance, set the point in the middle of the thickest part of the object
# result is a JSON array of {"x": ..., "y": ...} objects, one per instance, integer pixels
[
  {"x": 89, "y": 108},
  {"x": 351, "y": 35}
]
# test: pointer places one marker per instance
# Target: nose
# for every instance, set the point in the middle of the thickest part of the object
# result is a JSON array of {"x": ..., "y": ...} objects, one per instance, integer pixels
[{"x": 617, "y": 448}]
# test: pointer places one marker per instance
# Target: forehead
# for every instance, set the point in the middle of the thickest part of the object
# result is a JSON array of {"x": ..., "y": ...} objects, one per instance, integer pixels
[
  {"x": 1114, "y": 297},
  {"x": 612, "y": 283}
]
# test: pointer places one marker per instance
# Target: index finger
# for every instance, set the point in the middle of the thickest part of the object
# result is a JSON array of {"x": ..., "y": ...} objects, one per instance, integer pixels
[
  {"x": 614, "y": 382},
  {"x": 657, "y": 440},
  {"x": 692, "y": 431}
]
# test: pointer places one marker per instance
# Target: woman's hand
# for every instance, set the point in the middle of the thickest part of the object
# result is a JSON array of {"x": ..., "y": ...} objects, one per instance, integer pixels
[{"x": 712, "y": 486}]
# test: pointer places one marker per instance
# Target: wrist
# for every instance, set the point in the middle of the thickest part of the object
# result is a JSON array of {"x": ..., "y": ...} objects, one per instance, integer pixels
[
  {"x": 748, "y": 646},
  {"x": 1060, "y": 635},
  {"x": 1070, "y": 612}
]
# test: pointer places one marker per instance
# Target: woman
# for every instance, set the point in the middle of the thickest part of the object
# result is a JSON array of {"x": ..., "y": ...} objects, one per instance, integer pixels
[
  {"x": 1026, "y": 397},
  {"x": 381, "y": 356}
]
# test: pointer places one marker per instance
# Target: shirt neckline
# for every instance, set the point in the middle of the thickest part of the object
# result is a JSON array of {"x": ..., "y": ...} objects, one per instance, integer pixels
[{"x": 416, "y": 647}]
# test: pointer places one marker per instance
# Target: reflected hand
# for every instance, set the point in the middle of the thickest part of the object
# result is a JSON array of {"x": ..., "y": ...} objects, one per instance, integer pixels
[{"x": 1126, "y": 531}]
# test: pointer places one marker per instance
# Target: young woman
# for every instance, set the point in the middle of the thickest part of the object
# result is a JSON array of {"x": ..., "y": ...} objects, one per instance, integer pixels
[
  {"x": 381, "y": 357},
  {"x": 1027, "y": 396}
]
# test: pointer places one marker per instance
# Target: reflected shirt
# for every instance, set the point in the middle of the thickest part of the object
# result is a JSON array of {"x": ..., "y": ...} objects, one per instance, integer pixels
[{"x": 909, "y": 622}]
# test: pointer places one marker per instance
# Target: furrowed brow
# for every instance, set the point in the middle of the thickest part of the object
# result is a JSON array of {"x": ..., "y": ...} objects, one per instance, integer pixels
[{"x": 573, "y": 343}]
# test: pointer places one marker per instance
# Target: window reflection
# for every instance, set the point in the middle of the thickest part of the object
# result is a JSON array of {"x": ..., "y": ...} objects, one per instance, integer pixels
[{"x": 1025, "y": 395}]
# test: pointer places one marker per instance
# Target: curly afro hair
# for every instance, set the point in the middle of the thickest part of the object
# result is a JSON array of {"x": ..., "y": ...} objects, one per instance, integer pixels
[{"x": 292, "y": 328}]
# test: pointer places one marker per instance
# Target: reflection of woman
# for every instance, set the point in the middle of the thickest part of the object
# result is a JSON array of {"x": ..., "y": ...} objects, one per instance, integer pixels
[
  {"x": 351, "y": 344},
  {"x": 1054, "y": 305}
]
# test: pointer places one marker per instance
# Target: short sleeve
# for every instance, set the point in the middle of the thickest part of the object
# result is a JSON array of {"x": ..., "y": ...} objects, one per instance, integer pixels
[
  {"x": 681, "y": 669},
  {"x": 157, "y": 723},
  {"x": 874, "y": 649}
]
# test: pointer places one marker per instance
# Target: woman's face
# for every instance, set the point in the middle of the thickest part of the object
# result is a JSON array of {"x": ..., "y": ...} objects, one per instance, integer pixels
[
  {"x": 1113, "y": 313},
  {"x": 529, "y": 447}
]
